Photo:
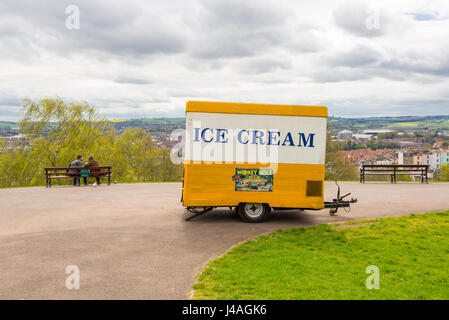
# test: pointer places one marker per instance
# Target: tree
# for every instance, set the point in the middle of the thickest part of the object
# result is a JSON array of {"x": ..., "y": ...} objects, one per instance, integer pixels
[
  {"x": 372, "y": 144},
  {"x": 444, "y": 173},
  {"x": 57, "y": 132},
  {"x": 337, "y": 169},
  {"x": 68, "y": 129}
]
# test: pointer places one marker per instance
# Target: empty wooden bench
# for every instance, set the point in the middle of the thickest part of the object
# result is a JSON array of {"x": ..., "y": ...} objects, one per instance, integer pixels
[
  {"x": 72, "y": 172},
  {"x": 393, "y": 170}
]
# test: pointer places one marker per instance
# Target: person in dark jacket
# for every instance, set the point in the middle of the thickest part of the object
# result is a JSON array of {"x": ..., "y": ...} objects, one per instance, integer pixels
[
  {"x": 89, "y": 165},
  {"x": 78, "y": 163}
]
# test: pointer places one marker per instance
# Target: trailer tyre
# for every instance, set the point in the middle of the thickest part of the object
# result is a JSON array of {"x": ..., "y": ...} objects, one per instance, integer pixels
[{"x": 253, "y": 212}]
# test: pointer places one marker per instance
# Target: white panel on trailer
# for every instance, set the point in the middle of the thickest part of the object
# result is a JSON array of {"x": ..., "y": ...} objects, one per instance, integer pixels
[{"x": 225, "y": 137}]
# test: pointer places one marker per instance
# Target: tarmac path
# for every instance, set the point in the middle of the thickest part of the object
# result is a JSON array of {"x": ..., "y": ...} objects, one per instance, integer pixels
[{"x": 130, "y": 241}]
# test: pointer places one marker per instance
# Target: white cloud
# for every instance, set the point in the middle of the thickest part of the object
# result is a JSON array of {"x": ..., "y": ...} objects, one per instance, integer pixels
[{"x": 146, "y": 58}]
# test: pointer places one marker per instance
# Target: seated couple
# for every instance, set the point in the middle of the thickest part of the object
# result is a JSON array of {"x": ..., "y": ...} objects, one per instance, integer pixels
[{"x": 78, "y": 163}]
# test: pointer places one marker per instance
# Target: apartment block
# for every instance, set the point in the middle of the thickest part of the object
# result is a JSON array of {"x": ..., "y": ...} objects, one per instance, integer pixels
[
  {"x": 406, "y": 158},
  {"x": 436, "y": 161},
  {"x": 427, "y": 158},
  {"x": 418, "y": 159}
]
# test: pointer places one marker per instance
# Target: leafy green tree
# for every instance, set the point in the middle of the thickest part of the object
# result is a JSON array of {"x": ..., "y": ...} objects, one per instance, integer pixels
[
  {"x": 443, "y": 174},
  {"x": 68, "y": 129},
  {"x": 337, "y": 169},
  {"x": 372, "y": 144},
  {"x": 57, "y": 132}
]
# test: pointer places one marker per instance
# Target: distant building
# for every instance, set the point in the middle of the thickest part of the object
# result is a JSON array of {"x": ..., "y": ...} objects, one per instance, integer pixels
[
  {"x": 385, "y": 159},
  {"x": 344, "y": 135},
  {"x": 14, "y": 139},
  {"x": 364, "y": 137},
  {"x": 368, "y": 156},
  {"x": 418, "y": 159},
  {"x": 406, "y": 158},
  {"x": 375, "y": 132},
  {"x": 436, "y": 161},
  {"x": 427, "y": 158}
]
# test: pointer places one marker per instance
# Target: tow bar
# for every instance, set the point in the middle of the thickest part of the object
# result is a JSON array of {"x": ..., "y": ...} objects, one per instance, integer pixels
[
  {"x": 197, "y": 212},
  {"x": 338, "y": 202}
]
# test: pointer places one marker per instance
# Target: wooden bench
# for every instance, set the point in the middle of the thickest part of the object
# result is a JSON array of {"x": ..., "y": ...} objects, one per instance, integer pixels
[
  {"x": 72, "y": 172},
  {"x": 393, "y": 170}
]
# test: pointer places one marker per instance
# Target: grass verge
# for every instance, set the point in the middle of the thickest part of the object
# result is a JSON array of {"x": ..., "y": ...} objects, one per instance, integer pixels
[{"x": 329, "y": 262}]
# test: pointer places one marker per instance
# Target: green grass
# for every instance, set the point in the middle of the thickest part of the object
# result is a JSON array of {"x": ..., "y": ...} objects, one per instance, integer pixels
[
  {"x": 419, "y": 125},
  {"x": 329, "y": 262}
]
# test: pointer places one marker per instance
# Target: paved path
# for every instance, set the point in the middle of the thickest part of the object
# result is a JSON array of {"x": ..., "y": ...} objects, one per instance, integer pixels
[{"x": 131, "y": 241}]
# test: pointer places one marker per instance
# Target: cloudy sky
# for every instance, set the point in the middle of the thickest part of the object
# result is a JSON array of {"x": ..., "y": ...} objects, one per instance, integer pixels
[{"x": 146, "y": 58}]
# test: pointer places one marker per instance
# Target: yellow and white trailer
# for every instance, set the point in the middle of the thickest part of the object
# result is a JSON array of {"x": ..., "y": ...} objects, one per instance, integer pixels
[{"x": 254, "y": 157}]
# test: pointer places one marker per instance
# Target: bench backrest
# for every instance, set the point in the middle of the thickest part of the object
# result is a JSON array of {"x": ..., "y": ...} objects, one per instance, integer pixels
[
  {"x": 68, "y": 168},
  {"x": 62, "y": 170},
  {"x": 395, "y": 167}
]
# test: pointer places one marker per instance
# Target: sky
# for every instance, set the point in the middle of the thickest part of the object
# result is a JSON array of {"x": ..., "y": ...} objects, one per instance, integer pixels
[{"x": 136, "y": 59}]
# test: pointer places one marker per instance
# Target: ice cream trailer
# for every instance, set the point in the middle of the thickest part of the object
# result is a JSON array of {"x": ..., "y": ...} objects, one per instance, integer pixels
[{"x": 254, "y": 158}]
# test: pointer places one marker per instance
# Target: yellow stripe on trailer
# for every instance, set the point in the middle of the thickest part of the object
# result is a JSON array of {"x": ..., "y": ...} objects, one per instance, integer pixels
[
  {"x": 210, "y": 185},
  {"x": 256, "y": 108}
]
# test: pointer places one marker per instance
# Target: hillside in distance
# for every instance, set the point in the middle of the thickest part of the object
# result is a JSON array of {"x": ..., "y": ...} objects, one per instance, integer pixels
[
  {"x": 8, "y": 124},
  {"x": 401, "y": 123},
  {"x": 7, "y": 128},
  {"x": 151, "y": 124}
]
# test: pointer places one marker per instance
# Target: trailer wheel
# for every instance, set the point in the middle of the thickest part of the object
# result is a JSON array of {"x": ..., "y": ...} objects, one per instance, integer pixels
[{"x": 253, "y": 212}]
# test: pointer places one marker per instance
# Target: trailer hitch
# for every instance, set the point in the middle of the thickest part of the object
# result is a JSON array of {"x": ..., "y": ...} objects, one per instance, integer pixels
[
  {"x": 338, "y": 202},
  {"x": 197, "y": 212}
]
